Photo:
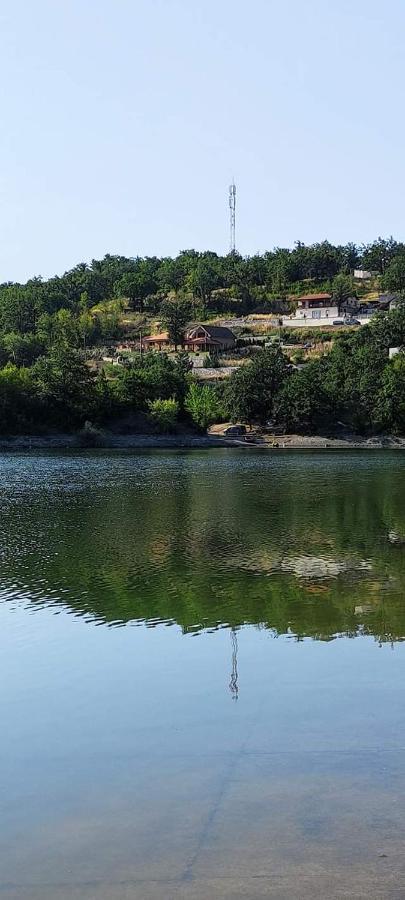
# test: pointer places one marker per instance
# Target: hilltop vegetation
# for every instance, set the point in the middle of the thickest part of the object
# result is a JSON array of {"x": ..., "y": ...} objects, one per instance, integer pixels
[
  {"x": 355, "y": 385},
  {"x": 85, "y": 305},
  {"x": 49, "y": 330}
]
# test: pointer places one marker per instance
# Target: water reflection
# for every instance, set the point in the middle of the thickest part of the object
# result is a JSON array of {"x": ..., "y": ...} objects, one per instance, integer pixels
[
  {"x": 306, "y": 545},
  {"x": 127, "y": 769}
]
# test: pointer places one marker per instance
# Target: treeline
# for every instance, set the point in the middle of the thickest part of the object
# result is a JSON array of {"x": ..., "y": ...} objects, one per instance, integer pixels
[
  {"x": 84, "y": 306},
  {"x": 355, "y": 385},
  {"x": 48, "y": 327},
  {"x": 60, "y": 392}
]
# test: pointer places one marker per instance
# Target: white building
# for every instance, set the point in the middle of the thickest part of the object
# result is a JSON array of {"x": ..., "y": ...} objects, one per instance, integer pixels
[
  {"x": 362, "y": 274},
  {"x": 313, "y": 309}
]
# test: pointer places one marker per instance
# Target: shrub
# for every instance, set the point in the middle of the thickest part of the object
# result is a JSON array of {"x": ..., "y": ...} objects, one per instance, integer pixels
[
  {"x": 297, "y": 357},
  {"x": 204, "y": 405},
  {"x": 163, "y": 414},
  {"x": 211, "y": 361}
]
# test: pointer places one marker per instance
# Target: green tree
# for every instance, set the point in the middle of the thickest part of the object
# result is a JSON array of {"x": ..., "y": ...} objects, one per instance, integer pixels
[
  {"x": 351, "y": 375},
  {"x": 22, "y": 349},
  {"x": 175, "y": 314},
  {"x": 394, "y": 276},
  {"x": 251, "y": 391},
  {"x": 204, "y": 279},
  {"x": 389, "y": 413},
  {"x": 301, "y": 404},
  {"x": 129, "y": 389},
  {"x": 171, "y": 275},
  {"x": 66, "y": 388},
  {"x": 136, "y": 286},
  {"x": 203, "y": 405},
  {"x": 155, "y": 377},
  {"x": 378, "y": 255},
  {"x": 342, "y": 288},
  {"x": 19, "y": 407}
]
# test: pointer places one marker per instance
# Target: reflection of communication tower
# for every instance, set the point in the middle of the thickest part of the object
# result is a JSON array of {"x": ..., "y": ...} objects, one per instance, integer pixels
[
  {"x": 233, "y": 684},
  {"x": 232, "y": 216}
]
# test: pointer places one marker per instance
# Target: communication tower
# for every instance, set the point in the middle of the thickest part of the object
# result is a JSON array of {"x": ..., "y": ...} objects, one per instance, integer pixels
[{"x": 232, "y": 216}]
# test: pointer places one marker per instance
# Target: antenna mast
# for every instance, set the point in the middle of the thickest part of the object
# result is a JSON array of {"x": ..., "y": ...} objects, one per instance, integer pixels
[
  {"x": 232, "y": 216},
  {"x": 233, "y": 684}
]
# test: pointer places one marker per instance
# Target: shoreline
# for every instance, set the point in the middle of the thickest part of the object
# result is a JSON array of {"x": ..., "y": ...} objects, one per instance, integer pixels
[{"x": 109, "y": 441}]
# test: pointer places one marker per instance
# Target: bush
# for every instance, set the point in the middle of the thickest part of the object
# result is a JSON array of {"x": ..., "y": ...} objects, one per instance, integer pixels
[
  {"x": 211, "y": 361},
  {"x": 204, "y": 405},
  {"x": 163, "y": 414},
  {"x": 298, "y": 357}
]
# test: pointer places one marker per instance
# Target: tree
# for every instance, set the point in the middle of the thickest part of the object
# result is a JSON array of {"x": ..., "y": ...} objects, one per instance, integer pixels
[
  {"x": 19, "y": 307},
  {"x": 19, "y": 409},
  {"x": 388, "y": 330},
  {"x": 394, "y": 276},
  {"x": 156, "y": 377},
  {"x": 351, "y": 377},
  {"x": 378, "y": 255},
  {"x": 204, "y": 278},
  {"x": 22, "y": 349},
  {"x": 349, "y": 258},
  {"x": 203, "y": 405},
  {"x": 301, "y": 404},
  {"x": 282, "y": 270},
  {"x": 136, "y": 286},
  {"x": 174, "y": 316},
  {"x": 66, "y": 388},
  {"x": 389, "y": 411},
  {"x": 171, "y": 275},
  {"x": 342, "y": 288},
  {"x": 251, "y": 391},
  {"x": 129, "y": 389}
]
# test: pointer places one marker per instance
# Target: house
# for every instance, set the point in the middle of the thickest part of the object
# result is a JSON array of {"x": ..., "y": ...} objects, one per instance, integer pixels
[
  {"x": 209, "y": 338},
  {"x": 350, "y": 306},
  {"x": 387, "y": 302},
  {"x": 368, "y": 306},
  {"x": 157, "y": 341},
  {"x": 313, "y": 306}
]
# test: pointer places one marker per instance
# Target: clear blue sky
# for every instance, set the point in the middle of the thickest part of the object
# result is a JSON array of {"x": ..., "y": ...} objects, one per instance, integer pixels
[{"x": 123, "y": 122}]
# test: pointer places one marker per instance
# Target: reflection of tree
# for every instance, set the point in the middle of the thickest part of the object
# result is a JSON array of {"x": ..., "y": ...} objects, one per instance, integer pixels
[{"x": 211, "y": 540}]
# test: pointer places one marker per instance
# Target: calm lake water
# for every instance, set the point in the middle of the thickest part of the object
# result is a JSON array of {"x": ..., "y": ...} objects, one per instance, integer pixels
[{"x": 203, "y": 676}]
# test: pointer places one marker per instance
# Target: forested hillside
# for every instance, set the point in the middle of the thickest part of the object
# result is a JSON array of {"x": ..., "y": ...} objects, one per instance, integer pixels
[
  {"x": 49, "y": 329},
  {"x": 85, "y": 306}
]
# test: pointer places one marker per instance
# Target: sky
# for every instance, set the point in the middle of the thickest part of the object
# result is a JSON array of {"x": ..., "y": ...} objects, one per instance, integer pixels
[{"x": 124, "y": 121}]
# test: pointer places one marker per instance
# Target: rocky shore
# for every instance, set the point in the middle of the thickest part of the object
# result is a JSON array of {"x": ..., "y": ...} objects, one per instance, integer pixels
[{"x": 108, "y": 440}]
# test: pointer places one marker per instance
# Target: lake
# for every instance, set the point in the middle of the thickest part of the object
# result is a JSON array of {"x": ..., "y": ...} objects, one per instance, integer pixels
[{"x": 203, "y": 676}]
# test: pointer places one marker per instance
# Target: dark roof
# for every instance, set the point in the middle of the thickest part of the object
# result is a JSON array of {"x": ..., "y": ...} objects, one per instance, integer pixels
[
  {"x": 385, "y": 300},
  {"x": 220, "y": 332},
  {"x": 217, "y": 332}
]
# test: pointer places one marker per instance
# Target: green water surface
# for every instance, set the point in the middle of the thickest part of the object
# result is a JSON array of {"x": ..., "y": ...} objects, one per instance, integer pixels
[{"x": 202, "y": 689}]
